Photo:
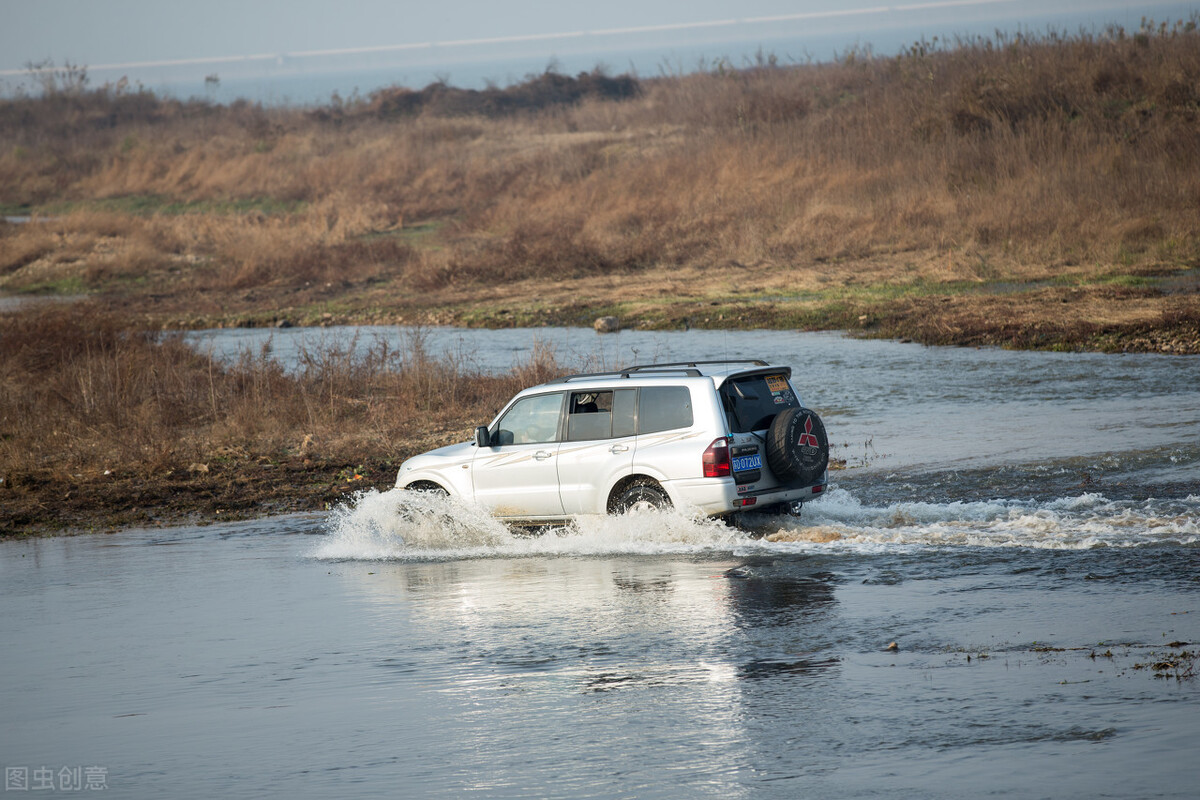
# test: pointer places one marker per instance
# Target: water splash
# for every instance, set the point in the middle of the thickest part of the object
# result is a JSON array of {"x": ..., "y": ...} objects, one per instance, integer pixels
[
  {"x": 395, "y": 524},
  {"x": 420, "y": 526},
  {"x": 1070, "y": 523},
  {"x": 399, "y": 524}
]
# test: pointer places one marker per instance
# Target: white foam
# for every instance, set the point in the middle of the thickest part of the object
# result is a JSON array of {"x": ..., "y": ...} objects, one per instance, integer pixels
[
  {"x": 418, "y": 526},
  {"x": 1089, "y": 520},
  {"x": 399, "y": 524},
  {"x": 393, "y": 524}
]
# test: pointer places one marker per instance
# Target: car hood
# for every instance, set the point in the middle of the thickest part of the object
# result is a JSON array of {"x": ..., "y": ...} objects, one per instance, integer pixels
[{"x": 452, "y": 452}]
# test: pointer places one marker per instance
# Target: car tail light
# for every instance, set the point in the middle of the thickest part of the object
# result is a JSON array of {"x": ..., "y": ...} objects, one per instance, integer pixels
[{"x": 716, "y": 459}]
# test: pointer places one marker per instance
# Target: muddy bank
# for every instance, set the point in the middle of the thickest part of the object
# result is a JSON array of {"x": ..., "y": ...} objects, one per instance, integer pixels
[
  {"x": 104, "y": 424},
  {"x": 1097, "y": 319},
  {"x": 40, "y": 503}
]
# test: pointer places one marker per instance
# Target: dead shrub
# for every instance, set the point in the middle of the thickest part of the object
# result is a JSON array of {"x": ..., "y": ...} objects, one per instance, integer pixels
[
  {"x": 81, "y": 389},
  {"x": 535, "y": 93}
]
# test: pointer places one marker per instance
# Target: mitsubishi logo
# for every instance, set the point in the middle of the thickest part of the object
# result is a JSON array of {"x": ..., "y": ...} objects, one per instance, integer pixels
[{"x": 807, "y": 437}]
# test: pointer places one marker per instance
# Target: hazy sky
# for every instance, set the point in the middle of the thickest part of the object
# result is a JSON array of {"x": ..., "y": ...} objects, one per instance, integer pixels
[{"x": 109, "y": 35}]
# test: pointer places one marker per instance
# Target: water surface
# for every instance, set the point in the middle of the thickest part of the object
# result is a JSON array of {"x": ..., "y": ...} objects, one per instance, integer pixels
[
  {"x": 657, "y": 657},
  {"x": 1024, "y": 527}
]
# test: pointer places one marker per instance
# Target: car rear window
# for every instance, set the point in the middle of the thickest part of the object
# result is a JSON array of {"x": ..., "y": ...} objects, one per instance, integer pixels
[{"x": 752, "y": 402}]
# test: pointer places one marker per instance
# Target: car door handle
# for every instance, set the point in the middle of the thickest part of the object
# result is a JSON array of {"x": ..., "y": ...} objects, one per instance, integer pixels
[
  {"x": 542, "y": 455},
  {"x": 617, "y": 448}
]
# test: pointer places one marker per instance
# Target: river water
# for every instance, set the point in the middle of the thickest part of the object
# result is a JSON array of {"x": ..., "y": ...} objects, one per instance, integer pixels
[{"x": 1024, "y": 527}]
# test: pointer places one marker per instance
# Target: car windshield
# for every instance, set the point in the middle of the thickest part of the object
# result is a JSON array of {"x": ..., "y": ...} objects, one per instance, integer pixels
[
  {"x": 531, "y": 420},
  {"x": 752, "y": 402}
]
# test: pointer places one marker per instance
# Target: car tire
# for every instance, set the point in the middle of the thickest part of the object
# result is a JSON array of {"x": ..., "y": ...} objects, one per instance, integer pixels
[
  {"x": 797, "y": 447},
  {"x": 416, "y": 512},
  {"x": 427, "y": 486},
  {"x": 640, "y": 495}
]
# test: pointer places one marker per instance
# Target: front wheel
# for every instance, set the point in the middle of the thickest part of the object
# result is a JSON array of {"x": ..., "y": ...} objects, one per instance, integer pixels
[
  {"x": 426, "y": 502},
  {"x": 640, "y": 496},
  {"x": 427, "y": 486}
]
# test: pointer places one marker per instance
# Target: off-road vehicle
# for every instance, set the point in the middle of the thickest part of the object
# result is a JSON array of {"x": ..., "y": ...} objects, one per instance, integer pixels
[{"x": 718, "y": 436}]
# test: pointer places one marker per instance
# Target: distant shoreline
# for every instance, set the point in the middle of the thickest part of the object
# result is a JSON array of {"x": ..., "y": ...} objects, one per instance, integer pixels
[{"x": 279, "y": 80}]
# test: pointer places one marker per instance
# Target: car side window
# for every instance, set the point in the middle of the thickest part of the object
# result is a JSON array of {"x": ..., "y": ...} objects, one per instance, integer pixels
[
  {"x": 664, "y": 408},
  {"x": 624, "y": 413},
  {"x": 601, "y": 414},
  {"x": 589, "y": 416},
  {"x": 531, "y": 420}
]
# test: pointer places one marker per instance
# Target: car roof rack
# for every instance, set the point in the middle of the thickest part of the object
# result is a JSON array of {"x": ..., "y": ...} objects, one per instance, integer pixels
[
  {"x": 758, "y": 362},
  {"x": 688, "y": 368},
  {"x": 622, "y": 373}
]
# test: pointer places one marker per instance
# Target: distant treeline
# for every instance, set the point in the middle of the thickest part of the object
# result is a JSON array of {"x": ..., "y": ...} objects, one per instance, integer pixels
[
  {"x": 535, "y": 93},
  {"x": 66, "y": 99}
]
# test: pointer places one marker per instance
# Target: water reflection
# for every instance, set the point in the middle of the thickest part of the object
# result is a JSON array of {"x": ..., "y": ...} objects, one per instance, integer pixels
[
  {"x": 806, "y": 666},
  {"x": 771, "y": 595},
  {"x": 597, "y": 657},
  {"x": 537, "y": 627}
]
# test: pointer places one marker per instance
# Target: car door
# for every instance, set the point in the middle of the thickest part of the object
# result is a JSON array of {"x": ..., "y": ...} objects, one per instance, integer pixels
[
  {"x": 517, "y": 476},
  {"x": 597, "y": 447}
]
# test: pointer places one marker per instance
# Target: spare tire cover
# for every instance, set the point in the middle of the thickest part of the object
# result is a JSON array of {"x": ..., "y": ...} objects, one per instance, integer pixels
[{"x": 797, "y": 448}]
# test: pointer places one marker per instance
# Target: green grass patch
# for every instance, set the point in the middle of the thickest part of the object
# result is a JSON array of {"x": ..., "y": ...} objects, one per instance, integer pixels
[
  {"x": 70, "y": 285},
  {"x": 1130, "y": 281},
  {"x": 145, "y": 205},
  {"x": 418, "y": 235},
  {"x": 521, "y": 317}
]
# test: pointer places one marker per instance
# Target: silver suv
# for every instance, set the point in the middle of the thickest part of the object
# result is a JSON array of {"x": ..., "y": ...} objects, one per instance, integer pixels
[{"x": 717, "y": 436}]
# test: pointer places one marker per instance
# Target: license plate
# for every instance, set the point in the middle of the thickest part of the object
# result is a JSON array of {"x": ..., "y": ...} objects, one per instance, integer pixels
[{"x": 745, "y": 463}]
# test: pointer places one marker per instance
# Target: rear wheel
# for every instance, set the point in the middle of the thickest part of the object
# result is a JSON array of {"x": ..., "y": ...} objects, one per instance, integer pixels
[{"x": 640, "y": 496}]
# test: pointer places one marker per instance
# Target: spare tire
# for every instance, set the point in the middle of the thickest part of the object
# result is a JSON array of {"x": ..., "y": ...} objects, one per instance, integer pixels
[{"x": 797, "y": 448}]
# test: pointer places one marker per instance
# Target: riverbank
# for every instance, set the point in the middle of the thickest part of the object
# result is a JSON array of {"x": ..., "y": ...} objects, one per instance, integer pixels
[
  {"x": 55, "y": 502},
  {"x": 104, "y": 424},
  {"x": 1028, "y": 192},
  {"x": 1025, "y": 192},
  {"x": 1157, "y": 311}
]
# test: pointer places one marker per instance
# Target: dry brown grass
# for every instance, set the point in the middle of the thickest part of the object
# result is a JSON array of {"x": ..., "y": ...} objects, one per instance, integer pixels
[
  {"x": 1023, "y": 159},
  {"x": 82, "y": 392},
  {"x": 103, "y": 425}
]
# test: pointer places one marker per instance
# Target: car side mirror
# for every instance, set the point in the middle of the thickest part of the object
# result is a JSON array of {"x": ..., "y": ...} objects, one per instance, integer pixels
[{"x": 482, "y": 437}]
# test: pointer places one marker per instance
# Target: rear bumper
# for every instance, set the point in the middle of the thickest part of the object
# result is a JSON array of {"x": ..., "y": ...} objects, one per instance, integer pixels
[{"x": 717, "y": 496}]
